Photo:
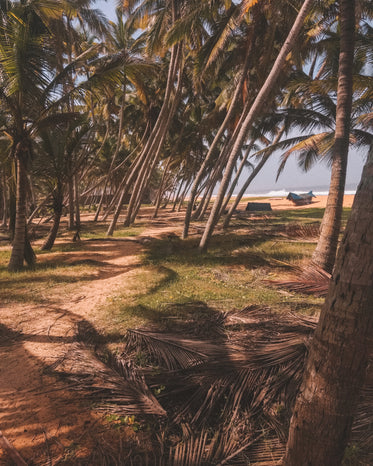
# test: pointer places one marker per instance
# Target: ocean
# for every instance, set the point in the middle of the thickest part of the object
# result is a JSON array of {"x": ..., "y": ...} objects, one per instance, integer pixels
[{"x": 283, "y": 192}]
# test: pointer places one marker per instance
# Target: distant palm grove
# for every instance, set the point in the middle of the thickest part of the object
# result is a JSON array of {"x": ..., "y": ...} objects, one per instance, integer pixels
[{"x": 171, "y": 101}]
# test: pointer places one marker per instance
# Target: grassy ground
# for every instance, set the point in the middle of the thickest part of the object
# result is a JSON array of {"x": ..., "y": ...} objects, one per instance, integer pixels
[{"x": 231, "y": 275}]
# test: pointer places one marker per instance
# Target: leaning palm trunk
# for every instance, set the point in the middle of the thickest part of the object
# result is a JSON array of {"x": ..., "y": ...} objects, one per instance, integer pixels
[
  {"x": 115, "y": 155},
  {"x": 257, "y": 105},
  {"x": 57, "y": 208},
  {"x": 165, "y": 118},
  {"x": 180, "y": 199},
  {"x": 326, "y": 249},
  {"x": 71, "y": 200},
  {"x": 147, "y": 152},
  {"x": 20, "y": 249},
  {"x": 211, "y": 152},
  {"x": 205, "y": 202},
  {"x": 161, "y": 188},
  {"x": 338, "y": 360},
  {"x": 218, "y": 170},
  {"x": 239, "y": 196},
  {"x": 247, "y": 183},
  {"x": 4, "y": 200},
  {"x": 77, "y": 201},
  {"x": 237, "y": 177},
  {"x": 121, "y": 192}
]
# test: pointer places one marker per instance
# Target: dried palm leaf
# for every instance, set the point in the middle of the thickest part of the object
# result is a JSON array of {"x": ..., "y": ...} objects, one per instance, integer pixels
[
  {"x": 114, "y": 386},
  {"x": 170, "y": 351},
  {"x": 295, "y": 230},
  {"x": 312, "y": 280}
]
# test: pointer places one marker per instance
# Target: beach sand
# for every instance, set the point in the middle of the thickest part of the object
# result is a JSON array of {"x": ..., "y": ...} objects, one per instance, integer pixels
[{"x": 278, "y": 203}]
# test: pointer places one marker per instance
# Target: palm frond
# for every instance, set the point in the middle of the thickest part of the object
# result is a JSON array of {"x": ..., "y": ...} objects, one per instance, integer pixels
[
  {"x": 171, "y": 351},
  {"x": 311, "y": 280},
  {"x": 114, "y": 385}
]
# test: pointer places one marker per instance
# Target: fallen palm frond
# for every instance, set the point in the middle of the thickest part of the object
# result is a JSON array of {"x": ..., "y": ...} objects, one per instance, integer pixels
[
  {"x": 299, "y": 231},
  {"x": 228, "y": 401},
  {"x": 167, "y": 350},
  {"x": 114, "y": 385},
  {"x": 311, "y": 280}
]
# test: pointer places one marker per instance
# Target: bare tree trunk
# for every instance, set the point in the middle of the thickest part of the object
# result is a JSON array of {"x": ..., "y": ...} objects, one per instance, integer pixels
[
  {"x": 326, "y": 249},
  {"x": 237, "y": 177},
  {"x": 212, "y": 180},
  {"x": 213, "y": 147},
  {"x": 161, "y": 188},
  {"x": 57, "y": 208},
  {"x": 77, "y": 201},
  {"x": 206, "y": 202},
  {"x": 71, "y": 202},
  {"x": 4, "y": 201},
  {"x": 164, "y": 119},
  {"x": 338, "y": 358},
  {"x": 115, "y": 155},
  {"x": 20, "y": 231},
  {"x": 247, "y": 183},
  {"x": 153, "y": 143},
  {"x": 183, "y": 195},
  {"x": 257, "y": 105}
]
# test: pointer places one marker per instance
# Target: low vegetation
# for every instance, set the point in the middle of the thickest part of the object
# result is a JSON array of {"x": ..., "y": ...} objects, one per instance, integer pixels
[{"x": 184, "y": 311}]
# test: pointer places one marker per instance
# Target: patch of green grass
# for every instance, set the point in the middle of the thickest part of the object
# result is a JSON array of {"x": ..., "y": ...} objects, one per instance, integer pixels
[
  {"x": 177, "y": 281},
  {"x": 36, "y": 285}
]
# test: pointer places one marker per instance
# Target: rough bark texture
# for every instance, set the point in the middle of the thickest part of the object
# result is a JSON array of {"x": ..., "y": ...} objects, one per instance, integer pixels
[
  {"x": 18, "y": 249},
  {"x": 322, "y": 417},
  {"x": 326, "y": 249}
]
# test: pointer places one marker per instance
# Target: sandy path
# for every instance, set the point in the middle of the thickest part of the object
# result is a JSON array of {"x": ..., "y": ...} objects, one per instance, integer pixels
[{"x": 41, "y": 418}]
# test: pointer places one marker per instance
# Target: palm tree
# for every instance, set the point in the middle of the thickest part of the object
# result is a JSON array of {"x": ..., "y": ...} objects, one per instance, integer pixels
[
  {"x": 255, "y": 108},
  {"x": 30, "y": 93},
  {"x": 145, "y": 163},
  {"x": 55, "y": 148},
  {"x": 25, "y": 63},
  {"x": 325, "y": 252},
  {"x": 338, "y": 359}
]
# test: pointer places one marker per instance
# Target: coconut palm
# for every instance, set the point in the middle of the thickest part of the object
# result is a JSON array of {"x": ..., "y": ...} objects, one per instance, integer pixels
[
  {"x": 338, "y": 360},
  {"x": 325, "y": 252},
  {"x": 30, "y": 95},
  {"x": 54, "y": 150},
  {"x": 249, "y": 118},
  {"x": 26, "y": 63}
]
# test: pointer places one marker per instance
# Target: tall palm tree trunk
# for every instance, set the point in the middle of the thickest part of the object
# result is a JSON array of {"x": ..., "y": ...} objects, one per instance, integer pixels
[
  {"x": 77, "y": 201},
  {"x": 165, "y": 118},
  {"x": 71, "y": 217},
  {"x": 4, "y": 195},
  {"x": 338, "y": 358},
  {"x": 115, "y": 155},
  {"x": 326, "y": 249},
  {"x": 20, "y": 234},
  {"x": 161, "y": 188},
  {"x": 257, "y": 105},
  {"x": 237, "y": 176},
  {"x": 211, "y": 152}
]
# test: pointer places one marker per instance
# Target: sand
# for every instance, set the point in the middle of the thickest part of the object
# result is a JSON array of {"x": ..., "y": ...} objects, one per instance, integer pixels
[{"x": 318, "y": 202}]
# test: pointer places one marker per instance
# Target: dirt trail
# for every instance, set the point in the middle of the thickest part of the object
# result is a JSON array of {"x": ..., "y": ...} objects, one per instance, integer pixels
[{"x": 43, "y": 419}]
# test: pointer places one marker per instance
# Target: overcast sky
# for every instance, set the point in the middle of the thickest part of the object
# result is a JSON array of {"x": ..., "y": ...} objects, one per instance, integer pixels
[{"x": 292, "y": 177}]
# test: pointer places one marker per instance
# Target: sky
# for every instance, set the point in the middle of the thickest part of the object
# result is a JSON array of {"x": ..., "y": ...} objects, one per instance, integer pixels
[{"x": 292, "y": 178}]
